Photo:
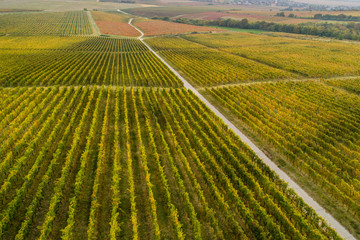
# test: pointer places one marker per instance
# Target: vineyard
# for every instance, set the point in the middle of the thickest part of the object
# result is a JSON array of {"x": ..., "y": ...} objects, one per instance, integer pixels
[
  {"x": 351, "y": 85},
  {"x": 56, "y": 23},
  {"x": 110, "y": 16},
  {"x": 156, "y": 27},
  {"x": 145, "y": 165},
  {"x": 314, "y": 125},
  {"x": 250, "y": 15},
  {"x": 82, "y": 61},
  {"x": 305, "y": 57},
  {"x": 39, "y": 42},
  {"x": 207, "y": 67},
  {"x": 99, "y": 139}
]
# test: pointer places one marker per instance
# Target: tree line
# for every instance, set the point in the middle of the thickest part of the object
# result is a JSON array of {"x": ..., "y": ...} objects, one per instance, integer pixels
[{"x": 339, "y": 31}]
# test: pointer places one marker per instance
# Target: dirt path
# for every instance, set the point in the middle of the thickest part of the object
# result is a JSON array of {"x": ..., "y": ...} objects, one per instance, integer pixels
[
  {"x": 123, "y": 12},
  {"x": 280, "y": 80},
  {"x": 140, "y": 38},
  {"x": 96, "y": 31},
  {"x": 300, "y": 192}
]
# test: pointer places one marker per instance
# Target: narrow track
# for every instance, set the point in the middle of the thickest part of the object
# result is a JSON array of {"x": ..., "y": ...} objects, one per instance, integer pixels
[
  {"x": 120, "y": 11},
  {"x": 96, "y": 31},
  {"x": 140, "y": 38},
  {"x": 278, "y": 81},
  {"x": 300, "y": 192}
]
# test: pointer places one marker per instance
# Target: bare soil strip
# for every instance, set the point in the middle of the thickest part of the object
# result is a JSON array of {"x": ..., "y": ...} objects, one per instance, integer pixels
[{"x": 96, "y": 31}]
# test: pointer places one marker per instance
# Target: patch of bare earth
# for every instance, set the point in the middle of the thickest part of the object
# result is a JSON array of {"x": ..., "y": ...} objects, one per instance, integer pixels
[{"x": 117, "y": 28}]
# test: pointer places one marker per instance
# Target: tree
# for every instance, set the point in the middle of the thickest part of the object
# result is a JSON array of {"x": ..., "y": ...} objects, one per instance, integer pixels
[{"x": 244, "y": 23}]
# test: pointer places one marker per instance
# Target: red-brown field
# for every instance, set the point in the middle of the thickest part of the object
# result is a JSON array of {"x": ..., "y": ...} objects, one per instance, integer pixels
[
  {"x": 117, "y": 28},
  {"x": 153, "y": 28},
  {"x": 114, "y": 24}
]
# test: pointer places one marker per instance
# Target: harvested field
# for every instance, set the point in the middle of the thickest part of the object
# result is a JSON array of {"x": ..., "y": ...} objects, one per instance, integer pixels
[
  {"x": 114, "y": 24},
  {"x": 117, "y": 28}
]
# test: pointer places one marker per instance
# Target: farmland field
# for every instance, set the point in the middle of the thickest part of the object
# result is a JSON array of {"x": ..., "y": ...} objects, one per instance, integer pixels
[
  {"x": 351, "y": 85},
  {"x": 114, "y": 24},
  {"x": 110, "y": 16},
  {"x": 57, "y": 23},
  {"x": 306, "y": 57},
  {"x": 252, "y": 13},
  {"x": 58, "y": 5},
  {"x": 156, "y": 27},
  {"x": 82, "y": 61},
  {"x": 105, "y": 162},
  {"x": 206, "y": 66},
  {"x": 312, "y": 124},
  {"x": 100, "y": 139},
  {"x": 171, "y": 11},
  {"x": 251, "y": 16}
]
